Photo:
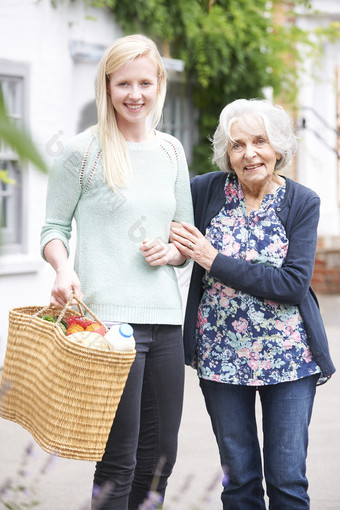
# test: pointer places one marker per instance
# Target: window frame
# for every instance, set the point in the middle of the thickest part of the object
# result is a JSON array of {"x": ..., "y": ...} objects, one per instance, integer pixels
[
  {"x": 179, "y": 115},
  {"x": 14, "y": 241}
]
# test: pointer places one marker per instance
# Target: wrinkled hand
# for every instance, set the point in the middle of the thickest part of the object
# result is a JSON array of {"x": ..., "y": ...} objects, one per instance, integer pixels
[
  {"x": 157, "y": 253},
  {"x": 191, "y": 243},
  {"x": 65, "y": 283}
]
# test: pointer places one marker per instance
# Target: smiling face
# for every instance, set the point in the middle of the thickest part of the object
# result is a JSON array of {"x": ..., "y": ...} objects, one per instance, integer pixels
[
  {"x": 133, "y": 91},
  {"x": 251, "y": 156}
]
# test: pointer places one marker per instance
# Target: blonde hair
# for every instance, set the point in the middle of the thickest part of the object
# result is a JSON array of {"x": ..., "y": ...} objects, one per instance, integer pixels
[
  {"x": 249, "y": 112},
  {"x": 115, "y": 153}
]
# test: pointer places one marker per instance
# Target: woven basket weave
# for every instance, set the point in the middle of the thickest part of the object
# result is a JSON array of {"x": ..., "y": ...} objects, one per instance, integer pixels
[{"x": 64, "y": 394}]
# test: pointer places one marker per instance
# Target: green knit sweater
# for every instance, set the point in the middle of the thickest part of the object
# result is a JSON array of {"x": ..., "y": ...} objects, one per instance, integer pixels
[{"x": 117, "y": 283}]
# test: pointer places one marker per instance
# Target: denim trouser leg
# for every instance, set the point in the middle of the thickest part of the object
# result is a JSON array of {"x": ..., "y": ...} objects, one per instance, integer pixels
[
  {"x": 144, "y": 432},
  {"x": 286, "y": 410},
  {"x": 232, "y": 412}
]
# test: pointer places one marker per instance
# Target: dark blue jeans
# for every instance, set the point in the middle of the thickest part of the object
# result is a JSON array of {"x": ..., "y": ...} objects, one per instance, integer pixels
[
  {"x": 286, "y": 414},
  {"x": 143, "y": 438}
]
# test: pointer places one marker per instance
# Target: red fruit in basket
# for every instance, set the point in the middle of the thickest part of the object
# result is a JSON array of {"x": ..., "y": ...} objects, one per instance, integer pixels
[
  {"x": 96, "y": 327},
  {"x": 82, "y": 321},
  {"x": 74, "y": 328}
]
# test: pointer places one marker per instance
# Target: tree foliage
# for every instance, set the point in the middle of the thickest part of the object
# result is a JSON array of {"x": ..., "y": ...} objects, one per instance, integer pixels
[
  {"x": 19, "y": 140},
  {"x": 231, "y": 48},
  {"x": 21, "y": 143}
]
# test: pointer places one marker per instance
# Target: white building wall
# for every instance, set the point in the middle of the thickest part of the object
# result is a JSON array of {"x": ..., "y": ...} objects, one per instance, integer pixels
[
  {"x": 318, "y": 164},
  {"x": 35, "y": 33}
]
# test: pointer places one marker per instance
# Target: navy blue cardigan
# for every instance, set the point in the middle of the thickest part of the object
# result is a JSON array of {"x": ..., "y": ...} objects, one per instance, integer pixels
[{"x": 290, "y": 284}]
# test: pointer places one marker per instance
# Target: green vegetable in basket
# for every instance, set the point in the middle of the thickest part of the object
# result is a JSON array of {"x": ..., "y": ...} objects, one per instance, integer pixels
[
  {"x": 49, "y": 318},
  {"x": 62, "y": 327},
  {"x": 62, "y": 324}
]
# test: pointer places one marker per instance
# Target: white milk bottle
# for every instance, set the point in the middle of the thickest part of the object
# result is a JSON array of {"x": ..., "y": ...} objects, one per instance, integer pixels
[{"x": 121, "y": 337}]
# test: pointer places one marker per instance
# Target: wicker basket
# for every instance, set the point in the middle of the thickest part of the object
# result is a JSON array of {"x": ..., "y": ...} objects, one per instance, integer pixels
[{"x": 64, "y": 394}]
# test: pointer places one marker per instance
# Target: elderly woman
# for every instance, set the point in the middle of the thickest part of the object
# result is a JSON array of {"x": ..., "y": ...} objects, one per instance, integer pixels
[{"x": 252, "y": 320}]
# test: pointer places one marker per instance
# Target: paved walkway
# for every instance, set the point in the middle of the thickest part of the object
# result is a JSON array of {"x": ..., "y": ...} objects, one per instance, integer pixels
[{"x": 195, "y": 483}]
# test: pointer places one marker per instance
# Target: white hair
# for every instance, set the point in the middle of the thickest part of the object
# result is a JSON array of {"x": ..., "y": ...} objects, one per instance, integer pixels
[{"x": 249, "y": 113}]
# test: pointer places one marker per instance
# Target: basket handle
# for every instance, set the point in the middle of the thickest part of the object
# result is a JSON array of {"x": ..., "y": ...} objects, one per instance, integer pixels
[{"x": 79, "y": 304}]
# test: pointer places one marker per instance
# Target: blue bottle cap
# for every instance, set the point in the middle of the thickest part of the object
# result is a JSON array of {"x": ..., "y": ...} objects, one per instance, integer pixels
[{"x": 126, "y": 330}]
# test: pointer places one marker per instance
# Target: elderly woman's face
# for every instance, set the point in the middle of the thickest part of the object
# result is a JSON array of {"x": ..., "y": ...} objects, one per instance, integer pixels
[{"x": 251, "y": 156}]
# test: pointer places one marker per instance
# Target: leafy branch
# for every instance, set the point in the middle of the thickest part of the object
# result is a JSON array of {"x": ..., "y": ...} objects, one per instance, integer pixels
[
  {"x": 18, "y": 139},
  {"x": 231, "y": 48}
]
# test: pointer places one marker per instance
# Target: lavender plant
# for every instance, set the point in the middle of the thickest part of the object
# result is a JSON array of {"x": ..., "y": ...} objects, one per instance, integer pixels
[{"x": 21, "y": 491}]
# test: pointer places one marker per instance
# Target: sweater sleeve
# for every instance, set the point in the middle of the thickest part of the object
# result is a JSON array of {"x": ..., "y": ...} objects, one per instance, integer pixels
[
  {"x": 63, "y": 192},
  {"x": 184, "y": 209},
  {"x": 288, "y": 284}
]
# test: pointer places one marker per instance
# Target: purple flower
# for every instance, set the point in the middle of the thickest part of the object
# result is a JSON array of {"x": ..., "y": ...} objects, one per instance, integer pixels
[
  {"x": 100, "y": 494},
  {"x": 5, "y": 486},
  {"x": 29, "y": 449},
  {"x": 49, "y": 464},
  {"x": 225, "y": 480},
  {"x": 153, "y": 501}
]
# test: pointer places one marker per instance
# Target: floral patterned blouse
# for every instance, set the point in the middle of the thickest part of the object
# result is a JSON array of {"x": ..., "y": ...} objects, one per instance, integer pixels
[{"x": 243, "y": 339}]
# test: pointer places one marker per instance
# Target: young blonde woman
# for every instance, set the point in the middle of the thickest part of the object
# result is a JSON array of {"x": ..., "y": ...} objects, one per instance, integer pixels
[{"x": 124, "y": 182}]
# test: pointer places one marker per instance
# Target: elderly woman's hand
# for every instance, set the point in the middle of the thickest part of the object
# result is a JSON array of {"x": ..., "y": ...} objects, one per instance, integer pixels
[{"x": 191, "y": 243}]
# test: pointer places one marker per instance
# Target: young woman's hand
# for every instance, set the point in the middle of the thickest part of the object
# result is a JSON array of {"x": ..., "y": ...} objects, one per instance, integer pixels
[
  {"x": 174, "y": 224},
  {"x": 66, "y": 280},
  {"x": 157, "y": 253},
  {"x": 192, "y": 244}
]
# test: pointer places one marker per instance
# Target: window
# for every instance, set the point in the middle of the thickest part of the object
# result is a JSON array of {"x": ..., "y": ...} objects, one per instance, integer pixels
[
  {"x": 179, "y": 115},
  {"x": 13, "y": 81}
]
